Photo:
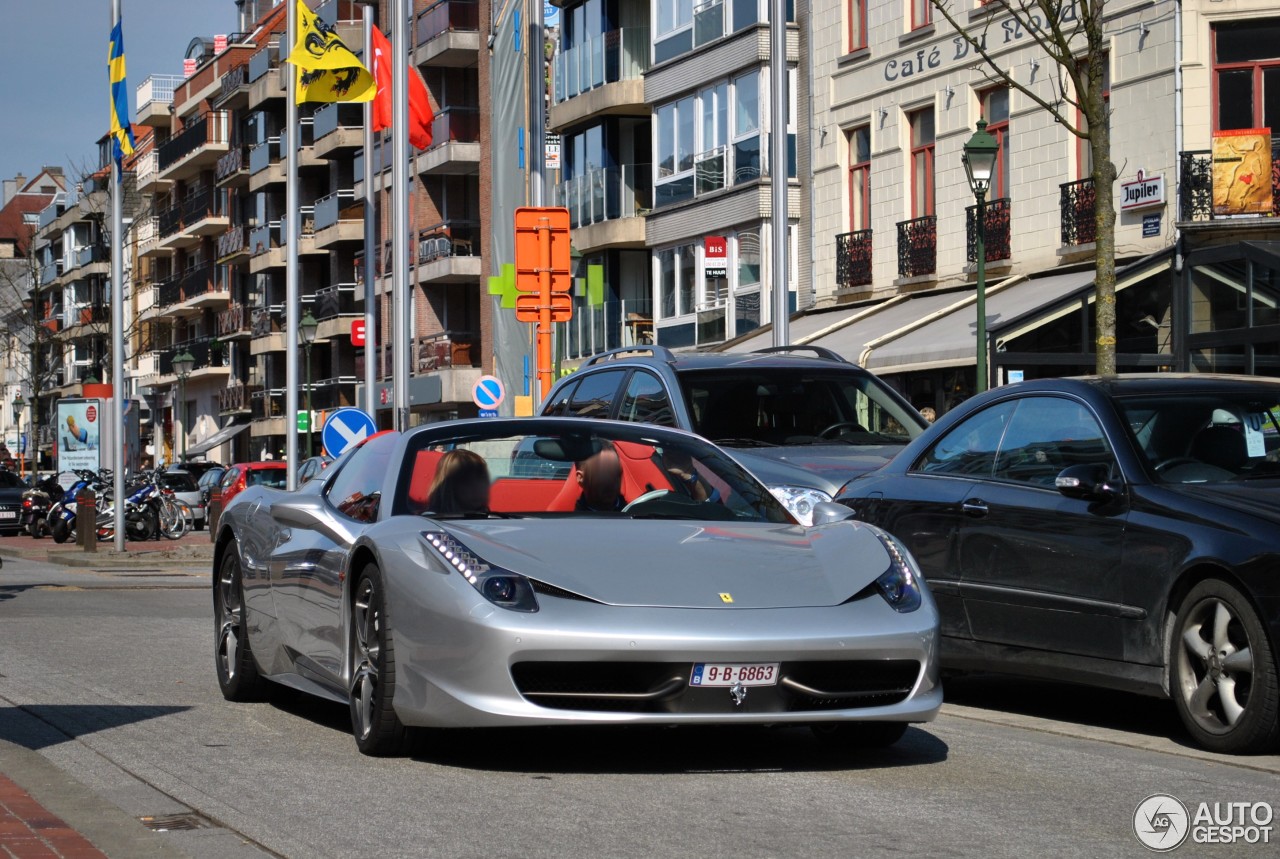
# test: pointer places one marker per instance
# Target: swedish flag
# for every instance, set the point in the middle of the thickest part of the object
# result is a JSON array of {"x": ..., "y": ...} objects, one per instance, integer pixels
[{"x": 121, "y": 125}]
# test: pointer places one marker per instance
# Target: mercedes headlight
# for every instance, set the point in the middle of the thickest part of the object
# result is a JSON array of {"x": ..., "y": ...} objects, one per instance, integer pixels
[
  {"x": 799, "y": 500},
  {"x": 503, "y": 588},
  {"x": 900, "y": 584}
]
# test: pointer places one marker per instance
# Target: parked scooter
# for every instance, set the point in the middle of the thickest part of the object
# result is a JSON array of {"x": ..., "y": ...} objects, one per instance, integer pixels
[{"x": 36, "y": 502}]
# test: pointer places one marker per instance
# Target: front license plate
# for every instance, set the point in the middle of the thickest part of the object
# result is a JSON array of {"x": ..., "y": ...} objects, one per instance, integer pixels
[
  {"x": 728, "y": 674},
  {"x": 8, "y": 514}
]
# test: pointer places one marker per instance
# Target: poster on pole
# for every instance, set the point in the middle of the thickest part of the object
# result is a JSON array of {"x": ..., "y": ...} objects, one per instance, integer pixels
[
  {"x": 79, "y": 432},
  {"x": 1242, "y": 172}
]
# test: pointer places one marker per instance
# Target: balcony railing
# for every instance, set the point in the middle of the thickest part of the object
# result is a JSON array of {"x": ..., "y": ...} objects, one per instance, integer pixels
[
  {"x": 918, "y": 246},
  {"x": 91, "y": 254},
  {"x": 448, "y": 349},
  {"x": 455, "y": 125},
  {"x": 87, "y": 314},
  {"x": 853, "y": 259},
  {"x": 625, "y": 322},
  {"x": 463, "y": 15},
  {"x": 714, "y": 169},
  {"x": 265, "y": 321},
  {"x": 211, "y": 127},
  {"x": 232, "y": 162},
  {"x": 1077, "y": 205},
  {"x": 1196, "y": 198},
  {"x": 158, "y": 89},
  {"x": 329, "y": 208},
  {"x": 233, "y": 241},
  {"x": 185, "y": 286},
  {"x": 146, "y": 166},
  {"x": 262, "y": 62},
  {"x": 452, "y": 239},
  {"x": 334, "y": 301},
  {"x": 267, "y": 403},
  {"x": 208, "y": 352},
  {"x": 148, "y": 232},
  {"x": 264, "y": 237},
  {"x": 603, "y": 59},
  {"x": 236, "y": 397},
  {"x": 170, "y": 220},
  {"x": 231, "y": 82},
  {"x": 996, "y": 235},
  {"x": 331, "y": 117},
  {"x": 233, "y": 320},
  {"x": 202, "y": 204},
  {"x": 607, "y": 194},
  {"x": 307, "y": 226},
  {"x": 262, "y": 155}
]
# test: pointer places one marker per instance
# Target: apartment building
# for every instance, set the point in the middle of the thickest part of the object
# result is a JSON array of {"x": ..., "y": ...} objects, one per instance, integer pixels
[
  {"x": 897, "y": 94},
  {"x": 663, "y": 113}
]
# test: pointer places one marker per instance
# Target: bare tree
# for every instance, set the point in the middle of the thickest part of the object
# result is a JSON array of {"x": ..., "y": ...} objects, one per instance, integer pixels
[{"x": 1070, "y": 32}]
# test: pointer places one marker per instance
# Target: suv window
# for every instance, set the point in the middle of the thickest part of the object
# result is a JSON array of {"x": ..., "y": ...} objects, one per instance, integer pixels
[
  {"x": 795, "y": 405},
  {"x": 594, "y": 395},
  {"x": 646, "y": 401},
  {"x": 356, "y": 490},
  {"x": 560, "y": 406}
]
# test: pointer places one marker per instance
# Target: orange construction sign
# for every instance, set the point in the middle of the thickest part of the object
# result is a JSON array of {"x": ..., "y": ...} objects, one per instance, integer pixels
[
  {"x": 544, "y": 275},
  {"x": 529, "y": 306}
]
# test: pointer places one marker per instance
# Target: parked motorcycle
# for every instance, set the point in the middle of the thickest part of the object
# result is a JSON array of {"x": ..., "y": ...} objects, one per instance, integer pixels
[
  {"x": 61, "y": 518},
  {"x": 150, "y": 511},
  {"x": 36, "y": 502}
]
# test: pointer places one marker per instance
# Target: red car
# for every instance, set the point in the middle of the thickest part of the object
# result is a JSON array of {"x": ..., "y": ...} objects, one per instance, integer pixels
[{"x": 270, "y": 473}]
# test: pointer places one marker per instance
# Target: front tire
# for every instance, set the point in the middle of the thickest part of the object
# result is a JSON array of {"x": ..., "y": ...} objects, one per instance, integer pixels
[
  {"x": 856, "y": 736},
  {"x": 238, "y": 676},
  {"x": 59, "y": 530},
  {"x": 378, "y": 731},
  {"x": 1223, "y": 673}
]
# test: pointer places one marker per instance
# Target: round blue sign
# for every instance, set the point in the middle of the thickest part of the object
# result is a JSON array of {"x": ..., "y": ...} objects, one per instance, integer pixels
[{"x": 488, "y": 392}]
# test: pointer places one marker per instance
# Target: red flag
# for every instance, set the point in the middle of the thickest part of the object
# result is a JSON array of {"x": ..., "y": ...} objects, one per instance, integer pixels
[{"x": 420, "y": 113}]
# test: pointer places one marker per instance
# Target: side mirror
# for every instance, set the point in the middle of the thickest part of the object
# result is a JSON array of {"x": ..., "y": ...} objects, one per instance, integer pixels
[
  {"x": 827, "y": 512},
  {"x": 1086, "y": 482},
  {"x": 309, "y": 511}
]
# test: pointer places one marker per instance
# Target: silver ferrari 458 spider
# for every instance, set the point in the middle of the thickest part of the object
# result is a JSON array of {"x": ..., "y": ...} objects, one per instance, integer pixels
[{"x": 548, "y": 571}]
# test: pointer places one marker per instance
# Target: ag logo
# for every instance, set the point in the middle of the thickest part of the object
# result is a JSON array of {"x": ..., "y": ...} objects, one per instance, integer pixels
[{"x": 1161, "y": 822}]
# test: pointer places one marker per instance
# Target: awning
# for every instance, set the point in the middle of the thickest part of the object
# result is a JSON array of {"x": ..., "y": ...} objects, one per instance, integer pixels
[
  {"x": 851, "y": 341},
  {"x": 220, "y": 437},
  {"x": 803, "y": 327}
]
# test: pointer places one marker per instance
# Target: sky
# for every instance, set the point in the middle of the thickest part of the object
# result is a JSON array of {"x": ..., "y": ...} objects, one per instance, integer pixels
[{"x": 53, "y": 59}]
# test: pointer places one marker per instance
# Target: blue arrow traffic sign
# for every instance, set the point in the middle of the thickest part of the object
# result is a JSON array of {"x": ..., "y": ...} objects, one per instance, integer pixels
[
  {"x": 346, "y": 428},
  {"x": 488, "y": 392}
]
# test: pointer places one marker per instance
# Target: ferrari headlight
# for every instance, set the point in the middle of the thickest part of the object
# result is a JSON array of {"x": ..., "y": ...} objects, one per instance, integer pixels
[
  {"x": 799, "y": 500},
  {"x": 501, "y": 587},
  {"x": 900, "y": 584}
]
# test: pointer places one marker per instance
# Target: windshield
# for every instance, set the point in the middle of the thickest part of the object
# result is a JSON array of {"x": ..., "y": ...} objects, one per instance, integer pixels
[
  {"x": 178, "y": 481},
  {"x": 1207, "y": 438},
  {"x": 795, "y": 406},
  {"x": 273, "y": 478},
  {"x": 580, "y": 473}
]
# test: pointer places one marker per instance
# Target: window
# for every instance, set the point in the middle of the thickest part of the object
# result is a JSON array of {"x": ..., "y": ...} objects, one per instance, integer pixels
[
  {"x": 357, "y": 489},
  {"x": 560, "y": 406},
  {"x": 969, "y": 449},
  {"x": 593, "y": 398},
  {"x": 857, "y": 24},
  {"x": 860, "y": 178},
  {"x": 995, "y": 110},
  {"x": 677, "y": 123},
  {"x": 1046, "y": 435},
  {"x": 707, "y": 141},
  {"x": 921, "y": 13},
  {"x": 1084, "y": 155},
  {"x": 646, "y": 401},
  {"x": 921, "y": 122},
  {"x": 1246, "y": 73},
  {"x": 674, "y": 27},
  {"x": 746, "y": 127},
  {"x": 677, "y": 278},
  {"x": 711, "y": 162}
]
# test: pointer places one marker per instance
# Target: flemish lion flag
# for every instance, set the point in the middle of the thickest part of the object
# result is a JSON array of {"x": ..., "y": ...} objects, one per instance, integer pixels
[{"x": 327, "y": 69}]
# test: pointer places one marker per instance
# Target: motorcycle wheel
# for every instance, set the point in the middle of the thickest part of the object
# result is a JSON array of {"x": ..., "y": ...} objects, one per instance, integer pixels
[{"x": 60, "y": 531}]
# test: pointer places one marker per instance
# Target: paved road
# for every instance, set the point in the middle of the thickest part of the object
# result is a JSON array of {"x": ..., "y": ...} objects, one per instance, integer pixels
[{"x": 107, "y": 693}]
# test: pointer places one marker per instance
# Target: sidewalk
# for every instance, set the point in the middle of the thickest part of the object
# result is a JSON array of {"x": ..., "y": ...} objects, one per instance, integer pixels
[{"x": 193, "y": 549}]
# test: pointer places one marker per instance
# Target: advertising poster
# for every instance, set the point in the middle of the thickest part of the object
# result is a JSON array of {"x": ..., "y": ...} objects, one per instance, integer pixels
[
  {"x": 78, "y": 432},
  {"x": 1242, "y": 172}
]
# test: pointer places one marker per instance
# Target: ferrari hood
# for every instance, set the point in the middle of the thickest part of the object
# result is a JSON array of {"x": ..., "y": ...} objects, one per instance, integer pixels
[{"x": 677, "y": 564}]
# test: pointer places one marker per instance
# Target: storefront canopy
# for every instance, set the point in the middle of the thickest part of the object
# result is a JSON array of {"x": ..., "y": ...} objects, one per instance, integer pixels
[
  {"x": 803, "y": 327},
  {"x": 220, "y": 437}
]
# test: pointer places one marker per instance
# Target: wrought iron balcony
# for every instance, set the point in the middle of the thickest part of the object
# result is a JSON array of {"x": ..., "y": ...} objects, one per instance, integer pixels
[
  {"x": 231, "y": 163},
  {"x": 209, "y": 128},
  {"x": 996, "y": 234},
  {"x": 448, "y": 349},
  {"x": 918, "y": 246},
  {"x": 853, "y": 259},
  {"x": 1077, "y": 206},
  {"x": 1197, "y": 201},
  {"x": 237, "y": 398},
  {"x": 233, "y": 241},
  {"x": 232, "y": 321}
]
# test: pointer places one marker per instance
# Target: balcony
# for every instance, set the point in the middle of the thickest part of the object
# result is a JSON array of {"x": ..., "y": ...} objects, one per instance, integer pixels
[
  {"x": 612, "y": 325},
  {"x": 266, "y": 167},
  {"x": 154, "y": 95},
  {"x": 233, "y": 89},
  {"x": 1077, "y": 205},
  {"x": 232, "y": 170},
  {"x": 448, "y": 34},
  {"x": 307, "y": 157},
  {"x": 605, "y": 75},
  {"x": 78, "y": 315},
  {"x": 713, "y": 170},
  {"x": 338, "y": 130},
  {"x": 237, "y": 398},
  {"x": 334, "y": 307},
  {"x": 196, "y": 147},
  {"x": 264, "y": 239},
  {"x": 339, "y": 218},
  {"x": 267, "y": 326},
  {"x": 209, "y": 355},
  {"x": 333, "y": 393},
  {"x": 265, "y": 79},
  {"x": 147, "y": 174},
  {"x": 191, "y": 291},
  {"x": 918, "y": 247},
  {"x": 233, "y": 246},
  {"x": 147, "y": 232},
  {"x": 267, "y": 407},
  {"x": 455, "y": 147},
  {"x": 234, "y": 323},
  {"x": 448, "y": 253},
  {"x": 607, "y": 206},
  {"x": 996, "y": 235},
  {"x": 200, "y": 214},
  {"x": 50, "y": 272},
  {"x": 90, "y": 260},
  {"x": 1198, "y": 204},
  {"x": 853, "y": 259}
]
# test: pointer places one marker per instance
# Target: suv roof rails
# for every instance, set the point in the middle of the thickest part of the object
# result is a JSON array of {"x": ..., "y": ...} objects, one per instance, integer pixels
[
  {"x": 820, "y": 351},
  {"x": 659, "y": 352}
]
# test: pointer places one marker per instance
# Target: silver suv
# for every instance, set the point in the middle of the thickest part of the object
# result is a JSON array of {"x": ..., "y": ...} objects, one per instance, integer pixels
[{"x": 805, "y": 424}]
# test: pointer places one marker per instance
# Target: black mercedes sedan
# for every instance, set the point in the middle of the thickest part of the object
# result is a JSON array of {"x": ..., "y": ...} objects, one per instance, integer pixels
[{"x": 1114, "y": 531}]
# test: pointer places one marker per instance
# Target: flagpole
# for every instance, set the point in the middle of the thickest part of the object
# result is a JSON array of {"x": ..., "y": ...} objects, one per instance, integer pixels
[
  {"x": 778, "y": 157},
  {"x": 371, "y": 244},
  {"x": 117, "y": 323},
  {"x": 293, "y": 224},
  {"x": 400, "y": 217}
]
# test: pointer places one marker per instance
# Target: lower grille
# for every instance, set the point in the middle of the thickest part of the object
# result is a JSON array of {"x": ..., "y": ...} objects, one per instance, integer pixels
[{"x": 663, "y": 687}]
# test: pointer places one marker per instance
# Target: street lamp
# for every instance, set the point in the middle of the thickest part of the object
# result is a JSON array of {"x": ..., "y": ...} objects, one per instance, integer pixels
[
  {"x": 182, "y": 365},
  {"x": 307, "y": 326},
  {"x": 979, "y": 158},
  {"x": 17, "y": 419}
]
